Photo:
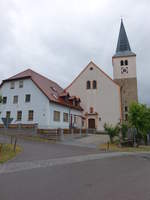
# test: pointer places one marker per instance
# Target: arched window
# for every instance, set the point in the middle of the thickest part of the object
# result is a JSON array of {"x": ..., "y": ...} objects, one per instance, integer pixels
[
  {"x": 126, "y": 62},
  {"x": 91, "y": 109},
  {"x": 121, "y": 63},
  {"x": 94, "y": 84},
  {"x": 88, "y": 85}
]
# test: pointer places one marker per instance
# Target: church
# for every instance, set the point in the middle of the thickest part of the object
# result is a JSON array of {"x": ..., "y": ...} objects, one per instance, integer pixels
[
  {"x": 91, "y": 100},
  {"x": 106, "y": 100}
]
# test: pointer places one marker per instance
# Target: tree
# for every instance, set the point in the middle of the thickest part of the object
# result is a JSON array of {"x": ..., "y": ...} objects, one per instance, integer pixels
[
  {"x": 124, "y": 129},
  {"x": 139, "y": 118},
  {"x": 112, "y": 131}
]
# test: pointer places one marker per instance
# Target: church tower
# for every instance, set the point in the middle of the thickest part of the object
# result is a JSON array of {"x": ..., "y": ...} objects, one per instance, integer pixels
[{"x": 124, "y": 72}]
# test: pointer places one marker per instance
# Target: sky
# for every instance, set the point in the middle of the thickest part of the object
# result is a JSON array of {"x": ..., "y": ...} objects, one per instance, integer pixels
[{"x": 58, "y": 38}]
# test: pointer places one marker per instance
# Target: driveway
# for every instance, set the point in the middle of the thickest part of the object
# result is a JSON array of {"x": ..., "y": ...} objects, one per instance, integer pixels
[{"x": 42, "y": 150}]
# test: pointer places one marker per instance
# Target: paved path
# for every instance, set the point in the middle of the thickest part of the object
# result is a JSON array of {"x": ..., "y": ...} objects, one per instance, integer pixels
[
  {"x": 43, "y": 151},
  {"x": 20, "y": 166}
]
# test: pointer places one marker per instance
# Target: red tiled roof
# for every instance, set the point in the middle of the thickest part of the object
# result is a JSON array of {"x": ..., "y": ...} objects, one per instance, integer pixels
[{"x": 49, "y": 88}]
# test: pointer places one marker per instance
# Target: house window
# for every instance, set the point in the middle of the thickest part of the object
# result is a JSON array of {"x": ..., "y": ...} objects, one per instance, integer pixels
[
  {"x": 12, "y": 85},
  {"x": 121, "y": 62},
  {"x": 88, "y": 85},
  {"x": 15, "y": 100},
  {"x": 126, "y": 108},
  {"x": 94, "y": 84},
  {"x": 126, "y": 62},
  {"x": 56, "y": 116},
  {"x": 65, "y": 117},
  {"x": 19, "y": 115},
  {"x": 82, "y": 123},
  {"x": 91, "y": 109},
  {"x": 4, "y": 100},
  {"x": 8, "y": 113},
  {"x": 27, "y": 98},
  {"x": 21, "y": 84},
  {"x": 75, "y": 119},
  {"x": 126, "y": 117},
  {"x": 30, "y": 115}
]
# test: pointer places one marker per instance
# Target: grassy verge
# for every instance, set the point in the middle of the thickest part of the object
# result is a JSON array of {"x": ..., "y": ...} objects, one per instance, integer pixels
[
  {"x": 8, "y": 153},
  {"x": 114, "y": 147}
]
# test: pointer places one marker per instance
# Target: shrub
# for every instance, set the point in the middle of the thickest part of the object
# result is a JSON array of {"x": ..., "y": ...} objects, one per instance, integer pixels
[{"x": 112, "y": 131}]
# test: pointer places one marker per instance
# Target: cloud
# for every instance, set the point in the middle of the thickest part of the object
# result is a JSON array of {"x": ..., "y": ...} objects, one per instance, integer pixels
[{"x": 58, "y": 38}]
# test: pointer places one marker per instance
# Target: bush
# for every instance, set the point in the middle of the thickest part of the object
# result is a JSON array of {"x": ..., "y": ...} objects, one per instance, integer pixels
[
  {"x": 124, "y": 130},
  {"x": 112, "y": 131}
]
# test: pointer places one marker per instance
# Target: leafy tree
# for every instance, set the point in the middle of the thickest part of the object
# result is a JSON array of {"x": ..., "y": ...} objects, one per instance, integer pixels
[
  {"x": 112, "y": 131},
  {"x": 124, "y": 130},
  {"x": 139, "y": 117}
]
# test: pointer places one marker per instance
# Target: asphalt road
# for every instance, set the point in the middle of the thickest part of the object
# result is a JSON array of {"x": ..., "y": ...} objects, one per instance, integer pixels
[{"x": 125, "y": 177}]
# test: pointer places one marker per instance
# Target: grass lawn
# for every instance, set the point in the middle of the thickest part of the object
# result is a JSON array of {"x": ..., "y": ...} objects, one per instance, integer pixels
[
  {"x": 8, "y": 153},
  {"x": 114, "y": 147}
]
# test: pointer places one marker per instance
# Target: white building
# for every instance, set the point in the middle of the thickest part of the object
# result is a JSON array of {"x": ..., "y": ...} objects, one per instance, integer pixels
[
  {"x": 100, "y": 97},
  {"x": 30, "y": 98}
]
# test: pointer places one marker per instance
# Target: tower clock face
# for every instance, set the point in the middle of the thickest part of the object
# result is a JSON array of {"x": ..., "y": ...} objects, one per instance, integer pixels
[{"x": 124, "y": 70}]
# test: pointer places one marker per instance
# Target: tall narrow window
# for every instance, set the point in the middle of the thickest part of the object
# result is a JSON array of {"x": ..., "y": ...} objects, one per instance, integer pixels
[
  {"x": 21, "y": 84},
  {"x": 126, "y": 117},
  {"x": 126, "y": 108},
  {"x": 30, "y": 115},
  {"x": 27, "y": 98},
  {"x": 19, "y": 115},
  {"x": 8, "y": 113},
  {"x": 56, "y": 116},
  {"x": 126, "y": 62},
  {"x": 65, "y": 117},
  {"x": 12, "y": 85},
  {"x": 15, "y": 100},
  {"x": 94, "y": 84},
  {"x": 91, "y": 109},
  {"x": 4, "y": 100},
  {"x": 75, "y": 119},
  {"x": 121, "y": 63},
  {"x": 88, "y": 85}
]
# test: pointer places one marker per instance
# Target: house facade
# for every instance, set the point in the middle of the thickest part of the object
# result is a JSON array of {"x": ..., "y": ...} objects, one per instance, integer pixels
[
  {"x": 29, "y": 98},
  {"x": 100, "y": 97}
]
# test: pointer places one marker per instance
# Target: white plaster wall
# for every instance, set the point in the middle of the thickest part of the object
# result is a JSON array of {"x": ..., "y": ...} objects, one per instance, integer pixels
[
  {"x": 39, "y": 103},
  {"x": 43, "y": 109},
  {"x": 105, "y": 99},
  {"x": 131, "y": 67},
  {"x": 61, "y": 124}
]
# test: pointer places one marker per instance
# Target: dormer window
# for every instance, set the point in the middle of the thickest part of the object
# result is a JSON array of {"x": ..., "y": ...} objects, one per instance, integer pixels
[
  {"x": 54, "y": 89},
  {"x": 54, "y": 95},
  {"x": 12, "y": 85},
  {"x": 94, "y": 84},
  {"x": 88, "y": 85}
]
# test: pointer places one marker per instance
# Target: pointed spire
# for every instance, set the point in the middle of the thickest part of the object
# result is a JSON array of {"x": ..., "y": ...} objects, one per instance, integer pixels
[{"x": 123, "y": 46}]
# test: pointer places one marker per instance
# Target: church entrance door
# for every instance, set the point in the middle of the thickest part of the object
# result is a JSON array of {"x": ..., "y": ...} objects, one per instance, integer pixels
[{"x": 91, "y": 123}]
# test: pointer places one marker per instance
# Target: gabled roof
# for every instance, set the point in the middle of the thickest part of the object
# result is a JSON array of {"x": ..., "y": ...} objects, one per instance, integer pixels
[
  {"x": 49, "y": 88},
  {"x": 123, "y": 46},
  {"x": 91, "y": 62}
]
